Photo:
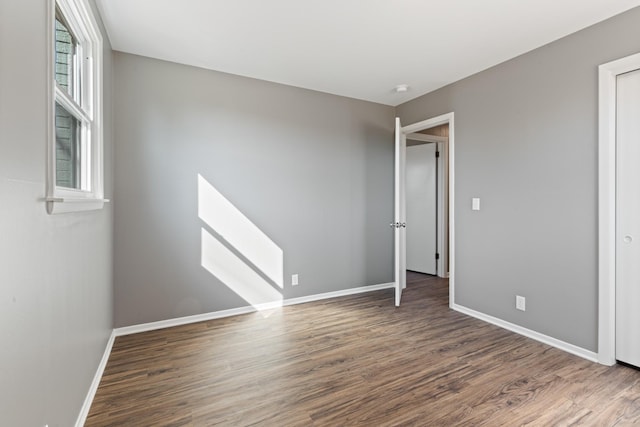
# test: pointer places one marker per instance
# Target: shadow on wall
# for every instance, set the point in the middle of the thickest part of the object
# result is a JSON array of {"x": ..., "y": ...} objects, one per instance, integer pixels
[{"x": 237, "y": 252}]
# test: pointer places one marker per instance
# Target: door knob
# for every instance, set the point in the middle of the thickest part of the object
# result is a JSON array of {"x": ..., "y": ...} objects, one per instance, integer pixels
[{"x": 628, "y": 239}]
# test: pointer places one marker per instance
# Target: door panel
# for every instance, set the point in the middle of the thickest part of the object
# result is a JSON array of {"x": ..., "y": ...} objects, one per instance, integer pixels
[
  {"x": 628, "y": 219},
  {"x": 400, "y": 261},
  {"x": 421, "y": 208}
]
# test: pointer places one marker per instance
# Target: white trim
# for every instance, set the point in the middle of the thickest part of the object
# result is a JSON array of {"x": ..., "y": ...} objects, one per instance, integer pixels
[
  {"x": 426, "y": 138},
  {"x": 56, "y": 205},
  {"x": 161, "y": 324},
  {"x": 428, "y": 124},
  {"x": 88, "y": 400},
  {"x": 452, "y": 226},
  {"x": 446, "y": 253},
  {"x": 545, "y": 339},
  {"x": 335, "y": 294},
  {"x": 50, "y": 99},
  {"x": 179, "y": 321},
  {"x": 607, "y": 74}
]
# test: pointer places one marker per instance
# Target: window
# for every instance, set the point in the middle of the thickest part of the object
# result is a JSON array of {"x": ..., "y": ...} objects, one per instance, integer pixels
[{"x": 75, "y": 180}]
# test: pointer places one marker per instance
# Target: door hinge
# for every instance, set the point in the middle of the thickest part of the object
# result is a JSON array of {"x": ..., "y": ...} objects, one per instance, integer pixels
[
  {"x": 437, "y": 255},
  {"x": 437, "y": 154}
]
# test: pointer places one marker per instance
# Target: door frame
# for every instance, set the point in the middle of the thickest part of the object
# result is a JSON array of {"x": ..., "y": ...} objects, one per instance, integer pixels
[
  {"x": 607, "y": 91},
  {"x": 447, "y": 154}
]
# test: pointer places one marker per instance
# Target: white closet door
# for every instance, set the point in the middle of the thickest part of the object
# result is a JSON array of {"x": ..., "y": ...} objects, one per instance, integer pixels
[
  {"x": 628, "y": 219},
  {"x": 421, "y": 208}
]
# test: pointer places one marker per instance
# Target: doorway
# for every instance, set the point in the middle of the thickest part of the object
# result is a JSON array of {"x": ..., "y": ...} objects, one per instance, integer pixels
[
  {"x": 426, "y": 194},
  {"x": 421, "y": 176},
  {"x": 445, "y": 231},
  {"x": 614, "y": 238}
]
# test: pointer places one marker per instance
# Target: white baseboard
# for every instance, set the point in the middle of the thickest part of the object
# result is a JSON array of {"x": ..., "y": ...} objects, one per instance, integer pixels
[
  {"x": 335, "y": 294},
  {"x": 178, "y": 321},
  {"x": 161, "y": 324},
  {"x": 565, "y": 346},
  {"x": 84, "y": 411}
]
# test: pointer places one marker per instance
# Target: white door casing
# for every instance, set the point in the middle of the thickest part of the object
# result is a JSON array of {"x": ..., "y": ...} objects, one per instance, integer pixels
[
  {"x": 607, "y": 99},
  {"x": 446, "y": 191},
  {"x": 446, "y": 247}
]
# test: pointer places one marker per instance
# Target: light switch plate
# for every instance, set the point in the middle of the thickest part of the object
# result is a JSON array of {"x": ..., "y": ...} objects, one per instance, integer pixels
[{"x": 475, "y": 204}]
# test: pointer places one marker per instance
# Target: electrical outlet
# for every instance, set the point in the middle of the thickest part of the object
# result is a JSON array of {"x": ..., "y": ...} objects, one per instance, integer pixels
[
  {"x": 521, "y": 303},
  {"x": 294, "y": 280}
]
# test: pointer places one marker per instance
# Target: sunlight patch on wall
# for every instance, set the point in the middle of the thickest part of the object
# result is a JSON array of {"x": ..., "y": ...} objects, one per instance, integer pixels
[
  {"x": 236, "y": 229},
  {"x": 237, "y": 275}
]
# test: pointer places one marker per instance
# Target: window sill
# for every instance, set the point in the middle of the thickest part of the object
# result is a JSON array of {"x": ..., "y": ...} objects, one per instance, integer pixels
[{"x": 57, "y": 205}]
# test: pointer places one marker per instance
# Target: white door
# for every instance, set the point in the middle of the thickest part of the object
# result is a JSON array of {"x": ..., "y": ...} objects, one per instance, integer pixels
[
  {"x": 421, "y": 208},
  {"x": 628, "y": 219},
  {"x": 399, "y": 222}
]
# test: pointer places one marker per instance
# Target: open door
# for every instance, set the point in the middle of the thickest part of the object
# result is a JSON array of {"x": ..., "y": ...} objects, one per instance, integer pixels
[{"x": 399, "y": 222}]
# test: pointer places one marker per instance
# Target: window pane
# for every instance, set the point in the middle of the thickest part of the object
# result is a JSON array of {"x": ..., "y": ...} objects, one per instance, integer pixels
[
  {"x": 68, "y": 156},
  {"x": 66, "y": 47}
]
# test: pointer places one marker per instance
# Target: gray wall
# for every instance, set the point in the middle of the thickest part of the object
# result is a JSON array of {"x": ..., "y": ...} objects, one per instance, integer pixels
[
  {"x": 54, "y": 321},
  {"x": 526, "y": 144},
  {"x": 312, "y": 171}
]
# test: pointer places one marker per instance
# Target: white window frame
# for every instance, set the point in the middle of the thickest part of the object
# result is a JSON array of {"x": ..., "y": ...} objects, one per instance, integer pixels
[{"x": 82, "y": 23}]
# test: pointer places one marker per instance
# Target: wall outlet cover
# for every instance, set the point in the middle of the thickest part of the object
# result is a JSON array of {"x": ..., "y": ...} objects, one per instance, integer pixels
[{"x": 475, "y": 203}]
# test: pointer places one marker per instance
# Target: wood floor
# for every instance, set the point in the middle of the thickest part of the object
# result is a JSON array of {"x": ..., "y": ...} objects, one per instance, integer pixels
[{"x": 357, "y": 361}]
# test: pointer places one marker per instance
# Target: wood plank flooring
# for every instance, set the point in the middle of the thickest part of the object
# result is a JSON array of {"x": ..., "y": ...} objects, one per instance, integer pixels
[{"x": 357, "y": 361}]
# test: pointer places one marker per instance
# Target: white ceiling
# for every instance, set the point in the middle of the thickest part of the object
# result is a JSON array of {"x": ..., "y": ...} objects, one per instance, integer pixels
[{"x": 356, "y": 48}]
